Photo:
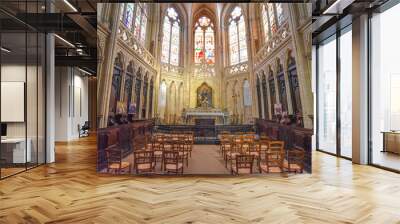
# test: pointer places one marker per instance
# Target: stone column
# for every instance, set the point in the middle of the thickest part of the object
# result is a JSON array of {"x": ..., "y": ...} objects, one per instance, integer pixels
[
  {"x": 252, "y": 81},
  {"x": 288, "y": 89},
  {"x": 303, "y": 62},
  {"x": 262, "y": 100},
  {"x": 141, "y": 96},
  {"x": 105, "y": 75},
  {"x": 148, "y": 98}
]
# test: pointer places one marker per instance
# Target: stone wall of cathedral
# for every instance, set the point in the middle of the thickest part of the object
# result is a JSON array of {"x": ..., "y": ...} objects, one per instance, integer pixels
[{"x": 274, "y": 61}]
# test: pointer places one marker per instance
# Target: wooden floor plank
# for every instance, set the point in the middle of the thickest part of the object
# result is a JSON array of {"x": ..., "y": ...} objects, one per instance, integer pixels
[{"x": 70, "y": 191}]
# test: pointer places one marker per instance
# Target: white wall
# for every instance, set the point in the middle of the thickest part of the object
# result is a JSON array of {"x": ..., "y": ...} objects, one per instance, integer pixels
[
  {"x": 34, "y": 125},
  {"x": 13, "y": 73},
  {"x": 71, "y": 102}
]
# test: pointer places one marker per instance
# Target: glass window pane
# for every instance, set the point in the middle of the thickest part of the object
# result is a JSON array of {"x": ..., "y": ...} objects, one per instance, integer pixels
[
  {"x": 198, "y": 45},
  {"x": 209, "y": 46},
  {"x": 138, "y": 17},
  {"x": 129, "y": 15},
  {"x": 272, "y": 22},
  {"x": 166, "y": 40},
  {"x": 385, "y": 88},
  {"x": 233, "y": 44},
  {"x": 175, "y": 44},
  {"x": 327, "y": 96},
  {"x": 279, "y": 13},
  {"x": 265, "y": 22},
  {"x": 14, "y": 68},
  {"x": 143, "y": 29},
  {"x": 346, "y": 94},
  {"x": 122, "y": 11}
]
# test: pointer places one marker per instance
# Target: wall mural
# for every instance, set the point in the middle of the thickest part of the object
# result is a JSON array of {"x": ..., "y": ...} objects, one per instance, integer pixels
[{"x": 204, "y": 96}]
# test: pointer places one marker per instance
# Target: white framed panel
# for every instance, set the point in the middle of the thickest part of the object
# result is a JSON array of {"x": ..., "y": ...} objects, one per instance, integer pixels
[{"x": 12, "y": 101}]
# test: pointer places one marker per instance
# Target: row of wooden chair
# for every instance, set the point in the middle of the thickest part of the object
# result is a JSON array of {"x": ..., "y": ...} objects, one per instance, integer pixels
[
  {"x": 270, "y": 155},
  {"x": 172, "y": 150}
]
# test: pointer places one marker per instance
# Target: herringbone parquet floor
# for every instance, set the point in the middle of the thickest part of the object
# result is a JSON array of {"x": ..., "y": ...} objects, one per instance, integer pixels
[{"x": 70, "y": 191}]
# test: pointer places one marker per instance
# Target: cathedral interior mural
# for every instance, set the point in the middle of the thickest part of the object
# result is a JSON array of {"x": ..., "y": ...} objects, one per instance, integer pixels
[{"x": 194, "y": 88}]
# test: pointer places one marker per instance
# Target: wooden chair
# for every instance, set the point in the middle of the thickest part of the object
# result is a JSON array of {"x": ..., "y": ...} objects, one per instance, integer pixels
[
  {"x": 181, "y": 146},
  {"x": 234, "y": 149},
  {"x": 190, "y": 142},
  {"x": 252, "y": 149},
  {"x": 114, "y": 160},
  {"x": 158, "y": 147},
  {"x": 274, "y": 157},
  {"x": 247, "y": 143},
  {"x": 263, "y": 145},
  {"x": 295, "y": 160},
  {"x": 139, "y": 143},
  {"x": 172, "y": 162},
  {"x": 225, "y": 144},
  {"x": 144, "y": 161},
  {"x": 167, "y": 143},
  {"x": 243, "y": 164}
]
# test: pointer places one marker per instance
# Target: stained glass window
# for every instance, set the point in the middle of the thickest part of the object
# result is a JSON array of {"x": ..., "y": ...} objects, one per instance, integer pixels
[
  {"x": 143, "y": 27},
  {"x": 166, "y": 40},
  {"x": 198, "y": 45},
  {"x": 209, "y": 45},
  {"x": 272, "y": 22},
  {"x": 129, "y": 15},
  {"x": 237, "y": 37},
  {"x": 134, "y": 17},
  {"x": 171, "y": 38},
  {"x": 122, "y": 13},
  {"x": 264, "y": 15},
  {"x": 204, "y": 45},
  {"x": 174, "y": 58},
  {"x": 279, "y": 13},
  {"x": 242, "y": 41},
  {"x": 233, "y": 43},
  {"x": 138, "y": 17}
]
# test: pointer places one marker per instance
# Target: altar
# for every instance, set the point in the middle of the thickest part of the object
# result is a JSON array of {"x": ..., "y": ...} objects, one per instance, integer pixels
[{"x": 191, "y": 115}]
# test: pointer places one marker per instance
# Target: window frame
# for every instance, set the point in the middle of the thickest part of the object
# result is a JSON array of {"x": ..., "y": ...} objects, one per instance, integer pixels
[
  {"x": 236, "y": 21},
  {"x": 144, "y": 13},
  {"x": 203, "y": 29},
  {"x": 171, "y": 24}
]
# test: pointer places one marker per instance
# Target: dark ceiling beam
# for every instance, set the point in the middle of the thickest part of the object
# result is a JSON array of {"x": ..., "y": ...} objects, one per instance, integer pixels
[
  {"x": 84, "y": 24},
  {"x": 49, "y": 22},
  {"x": 82, "y": 61}
]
